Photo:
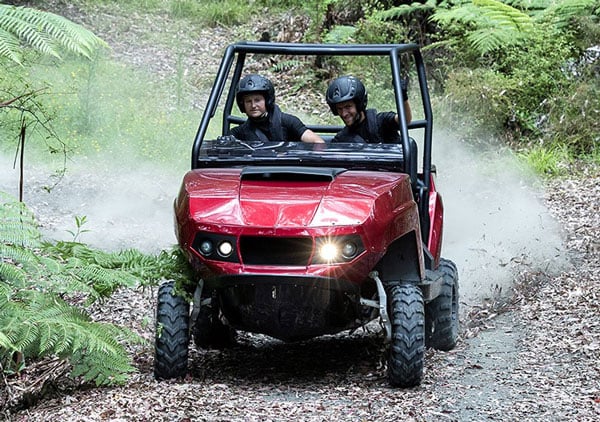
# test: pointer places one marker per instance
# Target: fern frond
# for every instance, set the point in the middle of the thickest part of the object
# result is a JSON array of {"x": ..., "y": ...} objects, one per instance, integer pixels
[
  {"x": 504, "y": 16},
  {"x": 103, "y": 280},
  {"x": 6, "y": 344},
  {"x": 146, "y": 269},
  {"x": 17, "y": 223},
  {"x": 465, "y": 15},
  {"x": 485, "y": 41},
  {"x": 12, "y": 274},
  {"x": 10, "y": 46},
  {"x": 340, "y": 34},
  {"x": 405, "y": 10},
  {"x": 562, "y": 12},
  {"x": 39, "y": 324},
  {"x": 285, "y": 65},
  {"x": 18, "y": 255},
  {"x": 36, "y": 321},
  {"x": 488, "y": 25},
  {"x": 45, "y": 32}
]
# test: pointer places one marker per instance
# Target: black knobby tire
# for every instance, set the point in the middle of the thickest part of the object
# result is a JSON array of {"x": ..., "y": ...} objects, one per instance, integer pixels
[
  {"x": 442, "y": 312},
  {"x": 407, "y": 349},
  {"x": 172, "y": 334},
  {"x": 208, "y": 330}
]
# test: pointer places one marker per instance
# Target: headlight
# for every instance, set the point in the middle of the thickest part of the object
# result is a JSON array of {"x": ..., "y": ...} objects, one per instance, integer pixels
[
  {"x": 206, "y": 247},
  {"x": 337, "y": 249},
  {"x": 225, "y": 249},
  {"x": 349, "y": 250},
  {"x": 216, "y": 247},
  {"x": 329, "y": 252}
]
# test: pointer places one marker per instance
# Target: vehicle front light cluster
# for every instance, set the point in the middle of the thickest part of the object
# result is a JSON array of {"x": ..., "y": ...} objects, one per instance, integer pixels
[
  {"x": 215, "y": 246},
  {"x": 339, "y": 249}
]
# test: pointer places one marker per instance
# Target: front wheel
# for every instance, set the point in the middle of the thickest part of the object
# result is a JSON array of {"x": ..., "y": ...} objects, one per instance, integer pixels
[
  {"x": 407, "y": 349},
  {"x": 172, "y": 333}
]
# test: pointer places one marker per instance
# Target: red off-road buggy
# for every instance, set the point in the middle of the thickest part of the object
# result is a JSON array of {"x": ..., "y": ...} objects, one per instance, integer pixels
[{"x": 297, "y": 240}]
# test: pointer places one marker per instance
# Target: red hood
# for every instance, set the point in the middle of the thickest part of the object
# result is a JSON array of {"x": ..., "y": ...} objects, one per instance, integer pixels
[{"x": 218, "y": 196}]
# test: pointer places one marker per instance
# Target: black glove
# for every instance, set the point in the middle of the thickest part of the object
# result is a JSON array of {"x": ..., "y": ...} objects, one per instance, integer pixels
[{"x": 404, "y": 88}]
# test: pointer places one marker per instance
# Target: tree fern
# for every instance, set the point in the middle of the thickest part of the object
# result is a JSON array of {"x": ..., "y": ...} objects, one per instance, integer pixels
[
  {"x": 487, "y": 25},
  {"x": 45, "y": 32}
]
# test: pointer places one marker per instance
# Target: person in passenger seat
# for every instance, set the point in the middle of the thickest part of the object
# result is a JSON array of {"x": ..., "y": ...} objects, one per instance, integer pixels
[
  {"x": 347, "y": 97},
  {"x": 255, "y": 97}
]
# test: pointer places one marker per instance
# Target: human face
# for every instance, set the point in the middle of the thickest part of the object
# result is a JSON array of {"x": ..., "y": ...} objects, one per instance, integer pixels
[
  {"x": 348, "y": 112},
  {"x": 254, "y": 105}
]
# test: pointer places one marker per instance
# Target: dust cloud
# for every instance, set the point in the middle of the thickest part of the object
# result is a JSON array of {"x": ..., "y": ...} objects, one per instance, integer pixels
[
  {"x": 495, "y": 219},
  {"x": 125, "y": 207}
]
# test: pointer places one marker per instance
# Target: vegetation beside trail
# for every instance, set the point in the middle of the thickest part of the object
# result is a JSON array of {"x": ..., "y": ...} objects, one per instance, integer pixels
[
  {"x": 523, "y": 71},
  {"x": 46, "y": 287}
]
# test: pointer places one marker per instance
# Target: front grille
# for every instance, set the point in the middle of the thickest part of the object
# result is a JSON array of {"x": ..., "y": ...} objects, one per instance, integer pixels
[{"x": 261, "y": 250}]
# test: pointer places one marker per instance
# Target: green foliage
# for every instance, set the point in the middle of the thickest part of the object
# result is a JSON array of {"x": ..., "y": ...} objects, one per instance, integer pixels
[
  {"x": 572, "y": 120},
  {"x": 111, "y": 270},
  {"x": 507, "y": 68},
  {"x": 285, "y": 65},
  {"x": 373, "y": 31},
  {"x": 35, "y": 319},
  {"x": 547, "y": 161},
  {"x": 43, "y": 291},
  {"x": 79, "y": 222},
  {"x": 406, "y": 10},
  {"x": 37, "y": 323},
  {"x": 45, "y": 32},
  {"x": 487, "y": 25},
  {"x": 479, "y": 108},
  {"x": 340, "y": 34},
  {"x": 211, "y": 12},
  {"x": 562, "y": 13},
  {"x": 100, "y": 108}
]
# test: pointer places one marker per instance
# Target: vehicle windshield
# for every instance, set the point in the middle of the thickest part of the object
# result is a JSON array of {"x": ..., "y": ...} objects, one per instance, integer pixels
[{"x": 227, "y": 151}]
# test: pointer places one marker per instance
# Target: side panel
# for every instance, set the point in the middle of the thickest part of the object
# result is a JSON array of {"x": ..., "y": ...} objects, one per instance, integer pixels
[{"x": 436, "y": 218}]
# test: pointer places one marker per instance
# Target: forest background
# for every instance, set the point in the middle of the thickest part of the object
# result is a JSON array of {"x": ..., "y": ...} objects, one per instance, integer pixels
[{"x": 525, "y": 72}]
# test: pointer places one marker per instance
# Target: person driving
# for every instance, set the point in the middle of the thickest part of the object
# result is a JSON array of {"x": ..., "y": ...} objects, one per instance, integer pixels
[{"x": 255, "y": 97}]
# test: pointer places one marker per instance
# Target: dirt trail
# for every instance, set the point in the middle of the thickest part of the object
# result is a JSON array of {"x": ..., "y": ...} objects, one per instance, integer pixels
[{"x": 539, "y": 361}]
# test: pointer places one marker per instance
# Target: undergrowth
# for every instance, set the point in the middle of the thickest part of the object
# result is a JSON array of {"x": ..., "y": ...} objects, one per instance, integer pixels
[{"x": 45, "y": 289}]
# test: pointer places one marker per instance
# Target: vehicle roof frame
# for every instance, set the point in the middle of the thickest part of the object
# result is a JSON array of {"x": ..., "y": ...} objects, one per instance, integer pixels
[{"x": 237, "y": 53}]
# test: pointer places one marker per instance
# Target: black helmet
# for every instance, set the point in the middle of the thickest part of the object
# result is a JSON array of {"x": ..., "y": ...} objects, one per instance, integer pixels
[
  {"x": 346, "y": 88},
  {"x": 255, "y": 84}
]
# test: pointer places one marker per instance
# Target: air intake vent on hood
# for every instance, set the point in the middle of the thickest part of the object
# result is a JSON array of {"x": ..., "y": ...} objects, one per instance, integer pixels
[{"x": 308, "y": 174}]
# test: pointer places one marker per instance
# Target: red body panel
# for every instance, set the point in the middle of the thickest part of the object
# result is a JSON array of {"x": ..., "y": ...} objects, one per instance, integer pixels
[
  {"x": 436, "y": 223},
  {"x": 377, "y": 206}
]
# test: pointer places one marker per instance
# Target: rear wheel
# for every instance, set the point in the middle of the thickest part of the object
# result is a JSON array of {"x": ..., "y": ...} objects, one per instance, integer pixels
[
  {"x": 406, "y": 309},
  {"x": 172, "y": 333},
  {"x": 442, "y": 312}
]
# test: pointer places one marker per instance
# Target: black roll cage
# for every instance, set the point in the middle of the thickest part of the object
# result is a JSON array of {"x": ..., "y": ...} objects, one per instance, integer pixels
[{"x": 237, "y": 53}]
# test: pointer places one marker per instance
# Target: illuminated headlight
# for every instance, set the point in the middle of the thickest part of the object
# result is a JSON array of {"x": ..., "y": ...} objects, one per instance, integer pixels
[
  {"x": 225, "y": 248},
  {"x": 338, "y": 249},
  {"x": 329, "y": 252}
]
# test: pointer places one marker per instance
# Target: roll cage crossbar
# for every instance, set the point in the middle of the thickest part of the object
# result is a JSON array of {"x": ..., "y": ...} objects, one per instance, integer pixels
[{"x": 236, "y": 53}]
